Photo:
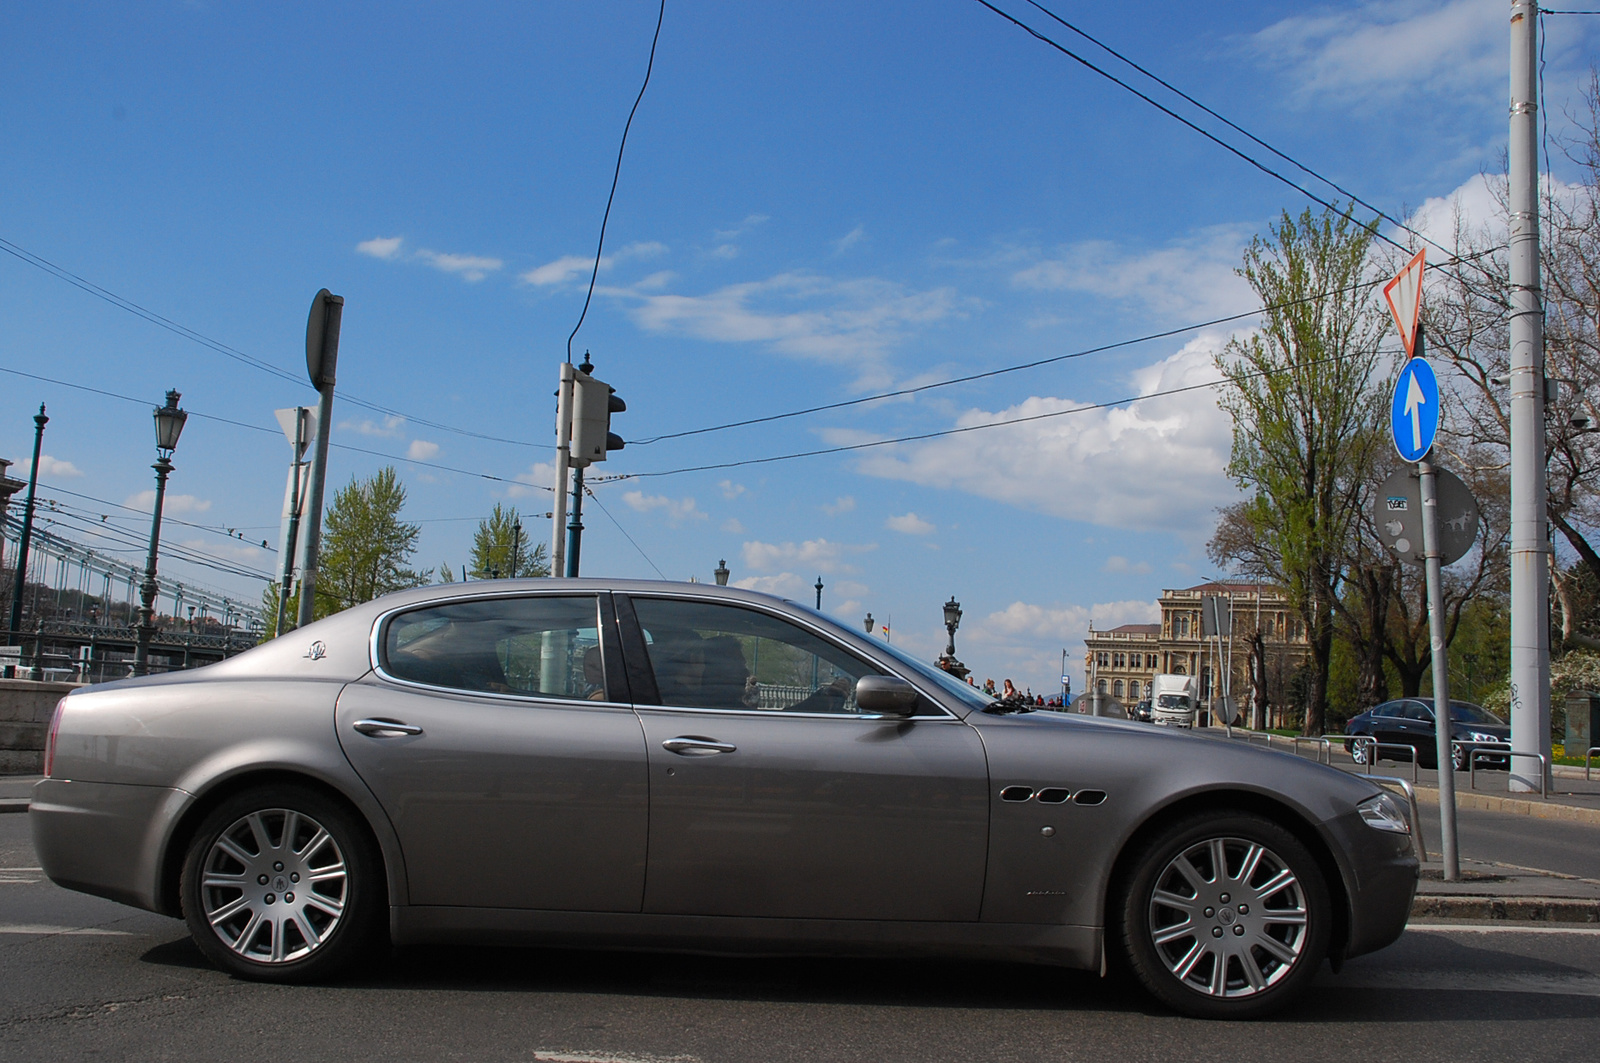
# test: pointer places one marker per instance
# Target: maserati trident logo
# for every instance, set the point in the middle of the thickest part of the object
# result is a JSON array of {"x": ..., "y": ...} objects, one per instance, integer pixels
[{"x": 317, "y": 651}]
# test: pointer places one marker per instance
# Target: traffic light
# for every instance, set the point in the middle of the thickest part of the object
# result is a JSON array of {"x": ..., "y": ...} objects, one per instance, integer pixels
[{"x": 593, "y": 403}]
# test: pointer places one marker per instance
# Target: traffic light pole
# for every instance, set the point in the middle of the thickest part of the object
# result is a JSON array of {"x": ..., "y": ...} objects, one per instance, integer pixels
[
  {"x": 14, "y": 635},
  {"x": 558, "y": 516},
  {"x": 575, "y": 524}
]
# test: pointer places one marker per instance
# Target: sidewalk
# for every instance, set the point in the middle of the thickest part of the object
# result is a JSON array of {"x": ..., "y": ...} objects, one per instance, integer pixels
[
  {"x": 1503, "y": 892},
  {"x": 14, "y": 790}
]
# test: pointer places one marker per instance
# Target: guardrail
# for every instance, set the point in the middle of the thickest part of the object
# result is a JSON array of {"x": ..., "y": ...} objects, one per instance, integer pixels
[
  {"x": 1491, "y": 751},
  {"x": 1418, "y": 843},
  {"x": 1375, "y": 750},
  {"x": 1587, "y": 754}
]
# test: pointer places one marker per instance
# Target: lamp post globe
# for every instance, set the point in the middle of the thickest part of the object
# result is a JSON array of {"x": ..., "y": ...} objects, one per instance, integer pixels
[
  {"x": 721, "y": 573},
  {"x": 169, "y": 421},
  {"x": 947, "y": 660}
]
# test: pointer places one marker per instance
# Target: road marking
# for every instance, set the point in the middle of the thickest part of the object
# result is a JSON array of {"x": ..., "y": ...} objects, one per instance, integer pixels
[
  {"x": 548, "y": 1055},
  {"x": 1566, "y": 985},
  {"x": 1496, "y": 928},
  {"x": 78, "y": 931},
  {"x": 14, "y": 870},
  {"x": 13, "y": 880}
]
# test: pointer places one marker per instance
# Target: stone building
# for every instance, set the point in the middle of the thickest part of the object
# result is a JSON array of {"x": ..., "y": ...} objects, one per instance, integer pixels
[{"x": 1121, "y": 662}]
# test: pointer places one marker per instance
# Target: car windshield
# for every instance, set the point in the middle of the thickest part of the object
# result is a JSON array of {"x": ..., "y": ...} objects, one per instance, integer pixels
[
  {"x": 967, "y": 694},
  {"x": 1466, "y": 712},
  {"x": 1173, "y": 701}
]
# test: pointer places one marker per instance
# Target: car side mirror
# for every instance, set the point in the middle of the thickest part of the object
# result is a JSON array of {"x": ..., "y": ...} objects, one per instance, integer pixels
[{"x": 886, "y": 695}]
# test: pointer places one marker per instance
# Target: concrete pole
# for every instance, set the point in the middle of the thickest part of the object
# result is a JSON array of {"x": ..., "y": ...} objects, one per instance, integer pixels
[
  {"x": 558, "y": 516},
  {"x": 14, "y": 633},
  {"x": 319, "y": 462},
  {"x": 1530, "y": 549},
  {"x": 1441, "y": 666}
]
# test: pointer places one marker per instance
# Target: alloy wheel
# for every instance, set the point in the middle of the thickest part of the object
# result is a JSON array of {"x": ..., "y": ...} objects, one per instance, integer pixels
[
  {"x": 274, "y": 886},
  {"x": 1228, "y": 918}
]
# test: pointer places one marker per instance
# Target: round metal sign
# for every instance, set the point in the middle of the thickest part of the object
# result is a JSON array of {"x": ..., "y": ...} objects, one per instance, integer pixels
[
  {"x": 1397, "y": 513},
  {"x": 1414, "y": 410}
]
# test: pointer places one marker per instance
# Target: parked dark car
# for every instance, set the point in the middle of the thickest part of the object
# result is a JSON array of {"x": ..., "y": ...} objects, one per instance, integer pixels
[
  {"x": 633, "y": 765},
  {"x": 1142, "y": 711},
  {"x": 1409, "y": 722}
]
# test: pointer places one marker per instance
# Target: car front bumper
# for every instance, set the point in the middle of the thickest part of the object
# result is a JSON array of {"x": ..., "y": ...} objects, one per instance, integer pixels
[{"x": 1381, "y": 879}]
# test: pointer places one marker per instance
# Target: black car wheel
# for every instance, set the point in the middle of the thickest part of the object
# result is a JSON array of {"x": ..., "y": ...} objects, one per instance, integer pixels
[
  {"x": 1458, "y": 757},
  {"x": 1359, "y": 751},
  {"x": 282, "y": 884},
  {"x": 1227, "y": 916}
]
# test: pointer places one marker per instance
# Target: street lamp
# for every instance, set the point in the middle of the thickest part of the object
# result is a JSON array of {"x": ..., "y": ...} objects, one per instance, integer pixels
[
  {"x": 169, "y": 426},
  {"x": 721, "y": 572},
  {"x": 819, "y": 594},
  {"x": 869, "y": 623},
  {"x": 952, "y": 620}
]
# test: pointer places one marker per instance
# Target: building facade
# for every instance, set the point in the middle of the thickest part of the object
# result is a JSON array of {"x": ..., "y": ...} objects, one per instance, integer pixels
[{"x": 1122, "y": 662}]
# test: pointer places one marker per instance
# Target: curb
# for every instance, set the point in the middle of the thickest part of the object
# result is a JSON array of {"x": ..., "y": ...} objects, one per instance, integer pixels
[
  {"x": 9, "y": 805},
  {"x": 1514, "y": 806},
  {"x": 1506, "y": 909}
]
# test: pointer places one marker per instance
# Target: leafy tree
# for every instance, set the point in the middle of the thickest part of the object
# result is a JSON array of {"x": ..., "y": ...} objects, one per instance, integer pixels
[
  {"x": 1307, "y": 403},
  {"x": 501, "y": 548},
  {"x": 366, "y": 546}
]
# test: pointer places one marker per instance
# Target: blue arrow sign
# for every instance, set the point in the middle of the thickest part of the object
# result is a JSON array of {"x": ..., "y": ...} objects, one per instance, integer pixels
[{"x": 1414, "y": 410}]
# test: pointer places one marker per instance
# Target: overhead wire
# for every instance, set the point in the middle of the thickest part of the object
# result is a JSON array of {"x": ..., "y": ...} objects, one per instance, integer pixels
[
  {"x": 616, "y": 176},
  {"x": 61, "y": 273},
  {"x": 590, "y": 492}
]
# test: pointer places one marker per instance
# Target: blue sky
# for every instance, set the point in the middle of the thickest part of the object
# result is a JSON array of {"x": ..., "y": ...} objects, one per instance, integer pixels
[{"x": 819, "y": 201}]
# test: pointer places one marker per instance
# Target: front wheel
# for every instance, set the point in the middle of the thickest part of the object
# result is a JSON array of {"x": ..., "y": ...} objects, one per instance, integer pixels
[
  {"x": 282, "y": 884},
  {"x": 1458, "y": 757},
  {"x": 1227, "y": 916},
  {"x": 1358, "y": 751}
]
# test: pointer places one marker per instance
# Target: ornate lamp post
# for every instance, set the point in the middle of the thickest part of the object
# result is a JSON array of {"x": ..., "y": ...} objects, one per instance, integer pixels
[
  {"x": 721, "y": 573},
  {"x": 169, "y": 426},
  {"x": 819, "y": 594},
  {"x": 947, "y": 660},
  {"x": 869, "y": 623}
]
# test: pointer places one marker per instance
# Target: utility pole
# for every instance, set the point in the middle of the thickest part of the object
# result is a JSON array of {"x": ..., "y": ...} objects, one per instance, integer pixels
[
  {"x": 1530, "y": 544},
  {"x": 558, "y": 518},
  {"x": 516, "y": 545},
  {"x": 322, "y": 360},
  {"x": 575, "y": 524},
  {"x": 15, "y": 632}
]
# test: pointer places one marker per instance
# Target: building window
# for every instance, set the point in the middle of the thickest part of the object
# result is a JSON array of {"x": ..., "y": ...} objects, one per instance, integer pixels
[
  {"x": 1182, "y": 624},
  {"x": 1133, "y": 690},
  {"x": 1150, "y": 661},
  {"x": 1119, "y": 660},
  {"x": 1116, "y": 688},
  {"x": 1103, "y": 659},
  {"x": 1101, "y": 686}
]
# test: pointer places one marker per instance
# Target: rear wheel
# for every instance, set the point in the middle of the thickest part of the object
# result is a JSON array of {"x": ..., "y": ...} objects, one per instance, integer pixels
[
  {"x": 282, "y": 884},
  {"x": 1359, "y": 751},
  {"x": 1227, "y": 916}
]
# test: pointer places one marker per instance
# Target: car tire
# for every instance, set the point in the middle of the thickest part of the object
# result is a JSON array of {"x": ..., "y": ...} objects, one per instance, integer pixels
[
  {"x": 1357, "y": 751},
  {"x": 1458, "y": 757},
  {"x": 283, "y": 884},
  {"x": 1226, "y": 916}
]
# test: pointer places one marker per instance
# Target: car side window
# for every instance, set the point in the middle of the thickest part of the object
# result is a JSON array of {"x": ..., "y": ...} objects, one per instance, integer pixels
[
  {"x": 536, "y": 647},
  {"x": 711, "y": 656},
  {"x": 1415, "y": 710}
]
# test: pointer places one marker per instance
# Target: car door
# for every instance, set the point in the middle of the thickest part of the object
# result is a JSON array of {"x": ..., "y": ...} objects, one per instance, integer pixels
[
  {"x": 771, "y": 795},
  {"x": 1417, "y": 727},
  {"x": 1387, "y": 725},
  {"x": 505, "y": 752}
]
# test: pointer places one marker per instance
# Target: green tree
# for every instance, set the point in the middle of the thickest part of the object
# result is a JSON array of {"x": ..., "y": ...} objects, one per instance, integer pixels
[
  {"x": 501, "y": 548},
  {"x": 366, "y": 546},
  {"x": 1307, "y": 402}
]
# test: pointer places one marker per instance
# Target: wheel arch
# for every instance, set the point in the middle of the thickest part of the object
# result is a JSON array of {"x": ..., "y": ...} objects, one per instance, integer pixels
[
  {"x": 168, "y": 894},
  {"x": 1280, "y": 812}
]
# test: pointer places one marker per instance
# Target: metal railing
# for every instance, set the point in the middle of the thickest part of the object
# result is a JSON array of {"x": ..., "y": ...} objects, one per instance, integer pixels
[
  {"x": 1587, "y": 755},
  {"x": 1491, "y": 751},
  {"x": 1375, "y": 750}
]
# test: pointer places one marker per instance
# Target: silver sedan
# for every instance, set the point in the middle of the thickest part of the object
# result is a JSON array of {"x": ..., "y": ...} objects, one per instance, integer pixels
[{"x": 643, "y": 765}]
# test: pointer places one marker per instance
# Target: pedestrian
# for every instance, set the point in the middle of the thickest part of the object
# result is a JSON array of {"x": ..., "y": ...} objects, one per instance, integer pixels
[
  {"x": 988, "y": 687},
  {"x": 1008, "y": 691}
]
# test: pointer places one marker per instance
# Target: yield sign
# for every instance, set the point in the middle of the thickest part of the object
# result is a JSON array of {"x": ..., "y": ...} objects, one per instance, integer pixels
[{"x": 1404, "y": 294}]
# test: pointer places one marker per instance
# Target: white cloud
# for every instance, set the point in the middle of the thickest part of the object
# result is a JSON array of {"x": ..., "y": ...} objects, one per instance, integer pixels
[
  {"x": 784, "y": 584},
  {"x": 733, "y": 525},
  {"x": 535, "y": 483},
  {"x": 676, "y": 510},
  {"x": 724, "y": 251},
  {"x": 421, "y": 450},
  {"x": 842, "y": 504},
  {"x": 380, "y": 246},
  {"x": 1023, "y": 641},
  {"x": 1117, "y": 563},
  {"x": 227, "y": 551},
  {"x": 1190, "y": 277},
  {"x": 818, "y": 554},
  {"x": 751, "y": 221},
  {"x": 52, "y": 467},
  {"x": 171, "y": 505},
  {"x": 849, "y": 239},
  {"x": 569, "y": 267},
  {"x": 1386, "y": 48},
  {"x": 730, "y": 489},
  {"x": 1475, "y": 206},
  {"x": 1156, "y": 463},
  {"x": 471, "y": 267},
  {"x": 392, "y": 427},
  {"x": 910, "y": 524},
  {"x": 849, "y": 321}
]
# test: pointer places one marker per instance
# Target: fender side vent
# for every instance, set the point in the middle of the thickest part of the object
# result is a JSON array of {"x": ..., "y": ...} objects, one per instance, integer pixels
[
  {"x": 1053, "y": 795},
  {"x": 1016, "y": 793},
  {"x": 1090, "y": 797}
]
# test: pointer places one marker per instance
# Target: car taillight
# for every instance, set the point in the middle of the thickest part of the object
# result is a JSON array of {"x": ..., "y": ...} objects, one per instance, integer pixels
[{"x": 50, "y": 739}]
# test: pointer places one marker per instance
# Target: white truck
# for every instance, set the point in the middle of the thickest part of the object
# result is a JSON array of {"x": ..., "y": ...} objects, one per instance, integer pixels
[{"x": 1172, "y": 700}]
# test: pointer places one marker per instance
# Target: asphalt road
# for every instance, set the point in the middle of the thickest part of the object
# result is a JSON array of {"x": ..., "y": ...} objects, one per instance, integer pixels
[
  {"x": 82, "y": 978},
  {"x": 1547, "y": 844}
]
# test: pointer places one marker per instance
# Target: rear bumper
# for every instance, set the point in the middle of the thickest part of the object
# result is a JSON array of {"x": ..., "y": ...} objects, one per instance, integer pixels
[{"x": 104, "y": 838}]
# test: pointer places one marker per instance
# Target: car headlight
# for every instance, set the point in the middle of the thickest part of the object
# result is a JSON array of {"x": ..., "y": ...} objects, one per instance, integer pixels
[
  {"x": 1479, "y": 736},
  {"x": 1385, "y": 812}
]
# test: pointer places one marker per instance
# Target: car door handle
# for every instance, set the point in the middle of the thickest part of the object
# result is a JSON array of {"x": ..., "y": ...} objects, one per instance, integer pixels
[
  {"x": 696, "y": 746},
  {"x": 381, "y": 728}
]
